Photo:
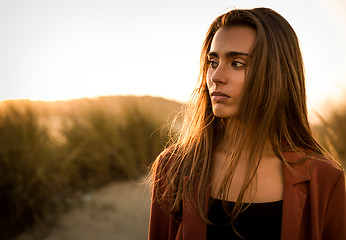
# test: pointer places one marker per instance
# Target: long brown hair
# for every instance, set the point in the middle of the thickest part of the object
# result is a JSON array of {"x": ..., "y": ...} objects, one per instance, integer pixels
[{"x": 272, "y": 107}]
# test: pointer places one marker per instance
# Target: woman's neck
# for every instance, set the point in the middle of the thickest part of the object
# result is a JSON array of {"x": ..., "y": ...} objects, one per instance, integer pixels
[{"x": 225, "y": 147}]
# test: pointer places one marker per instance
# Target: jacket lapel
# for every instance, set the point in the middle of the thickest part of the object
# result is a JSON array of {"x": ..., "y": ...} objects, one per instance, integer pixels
[{"x": 294, "y": 197}]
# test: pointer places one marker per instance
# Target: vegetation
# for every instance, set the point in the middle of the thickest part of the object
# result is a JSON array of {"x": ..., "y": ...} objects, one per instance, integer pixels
[
  {"x": 50, "y": 151},
  {"x": 331, "y": 132},
  {"x": 27, "y": 170}
]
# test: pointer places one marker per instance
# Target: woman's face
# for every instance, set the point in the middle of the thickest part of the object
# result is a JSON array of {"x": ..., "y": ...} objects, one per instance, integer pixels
[{"x": 228, "y": 59}]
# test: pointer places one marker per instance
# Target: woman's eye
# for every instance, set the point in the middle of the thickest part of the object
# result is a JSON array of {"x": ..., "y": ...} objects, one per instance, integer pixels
[
  {"x": 237, "y": 64},
  {"x": 213, "y": 64}
]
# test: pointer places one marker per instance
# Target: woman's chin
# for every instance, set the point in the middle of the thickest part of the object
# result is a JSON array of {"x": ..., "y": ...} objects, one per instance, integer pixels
[{"x": 223, "y": 113}]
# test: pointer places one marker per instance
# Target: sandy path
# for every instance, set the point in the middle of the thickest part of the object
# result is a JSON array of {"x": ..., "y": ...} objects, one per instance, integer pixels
[{"x": 118, "y": 211}]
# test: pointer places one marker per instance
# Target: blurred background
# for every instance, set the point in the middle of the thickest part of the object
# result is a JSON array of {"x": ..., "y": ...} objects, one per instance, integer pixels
[{"x": 88, "y": 90}]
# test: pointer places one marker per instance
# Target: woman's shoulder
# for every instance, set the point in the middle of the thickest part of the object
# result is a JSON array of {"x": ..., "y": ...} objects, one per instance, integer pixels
[
  {"x": 309, "y": 157},
  {"x": 164, "y": 160},
  {"x": 326, "y": 169},
  {"x": 166, "y": 155},
  {"x": 318, "y": 166}
]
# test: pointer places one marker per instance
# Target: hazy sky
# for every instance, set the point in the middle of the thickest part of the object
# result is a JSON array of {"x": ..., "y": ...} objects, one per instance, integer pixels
[{"x": 65, "y": 49}]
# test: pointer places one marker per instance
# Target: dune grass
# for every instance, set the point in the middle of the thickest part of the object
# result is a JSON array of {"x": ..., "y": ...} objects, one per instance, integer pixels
[
  {"x": 49, "y": 153},
  {"x": 331, "y": 132},
  {"x": 101, "y": 146},
  {"x": 27, "y": 169},
  {"x": 41, "y": 168}
]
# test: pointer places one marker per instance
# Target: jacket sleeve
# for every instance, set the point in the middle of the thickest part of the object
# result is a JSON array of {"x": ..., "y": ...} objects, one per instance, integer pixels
[
  {"x": 161, "y": 225},
  {"x": 335, "y": 218},
  {"x": 158, "y": 223}
]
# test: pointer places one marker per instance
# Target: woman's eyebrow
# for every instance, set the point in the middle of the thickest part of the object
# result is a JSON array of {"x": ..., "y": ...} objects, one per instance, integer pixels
[{"x": 229, "y": 54}]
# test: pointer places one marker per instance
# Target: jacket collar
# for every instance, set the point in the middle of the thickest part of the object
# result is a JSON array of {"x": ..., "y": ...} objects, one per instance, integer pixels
[
  {"x": 298, "y": 167},
  {"x": 297, "y": 173}
]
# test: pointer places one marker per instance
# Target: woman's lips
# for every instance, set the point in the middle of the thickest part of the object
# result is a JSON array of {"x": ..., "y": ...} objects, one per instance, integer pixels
[{"x": 219, "y": 97}]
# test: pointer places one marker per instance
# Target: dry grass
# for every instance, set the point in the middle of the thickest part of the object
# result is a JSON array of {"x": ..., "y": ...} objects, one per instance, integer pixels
[
  {"x": 331, "y": 132},
  {"x": 50, "y": 151},
  {"x": 28, "y": 170}
]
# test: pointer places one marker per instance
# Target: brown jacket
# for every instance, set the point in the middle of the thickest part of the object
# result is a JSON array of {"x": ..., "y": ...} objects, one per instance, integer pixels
[{"x": 314, "y": 206}]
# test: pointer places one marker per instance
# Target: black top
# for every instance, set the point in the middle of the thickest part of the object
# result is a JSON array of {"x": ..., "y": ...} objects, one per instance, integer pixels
[{"x": 258, "y": 221}]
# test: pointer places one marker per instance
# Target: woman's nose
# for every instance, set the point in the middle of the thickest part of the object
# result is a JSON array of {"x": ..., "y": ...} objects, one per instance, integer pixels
[{"x": 219, "y": 75}]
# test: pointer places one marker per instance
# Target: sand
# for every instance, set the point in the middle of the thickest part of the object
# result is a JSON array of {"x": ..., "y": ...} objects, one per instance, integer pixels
[{"x": 118, "y": 211}]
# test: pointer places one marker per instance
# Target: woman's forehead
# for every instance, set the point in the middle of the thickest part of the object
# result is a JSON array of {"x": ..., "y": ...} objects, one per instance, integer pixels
[{"x": 233, "y": 39}]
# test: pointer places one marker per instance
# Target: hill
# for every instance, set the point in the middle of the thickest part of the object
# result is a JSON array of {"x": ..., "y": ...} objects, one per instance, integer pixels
[{"x": 113, "y": 104}]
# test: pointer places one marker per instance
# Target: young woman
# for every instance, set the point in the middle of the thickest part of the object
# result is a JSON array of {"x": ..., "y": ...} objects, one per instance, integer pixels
[{"x": 245, "y": 165}]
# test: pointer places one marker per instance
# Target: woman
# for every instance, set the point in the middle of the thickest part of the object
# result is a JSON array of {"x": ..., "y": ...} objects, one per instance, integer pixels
[{"x": 245, "y": 164}]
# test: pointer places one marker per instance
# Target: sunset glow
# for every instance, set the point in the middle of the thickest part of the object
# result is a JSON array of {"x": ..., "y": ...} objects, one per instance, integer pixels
[{"x": 53, "y": 50}]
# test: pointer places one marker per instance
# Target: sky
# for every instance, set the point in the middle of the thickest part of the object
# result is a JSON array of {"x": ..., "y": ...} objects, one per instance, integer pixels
[{"x": 66, "y": 49}]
